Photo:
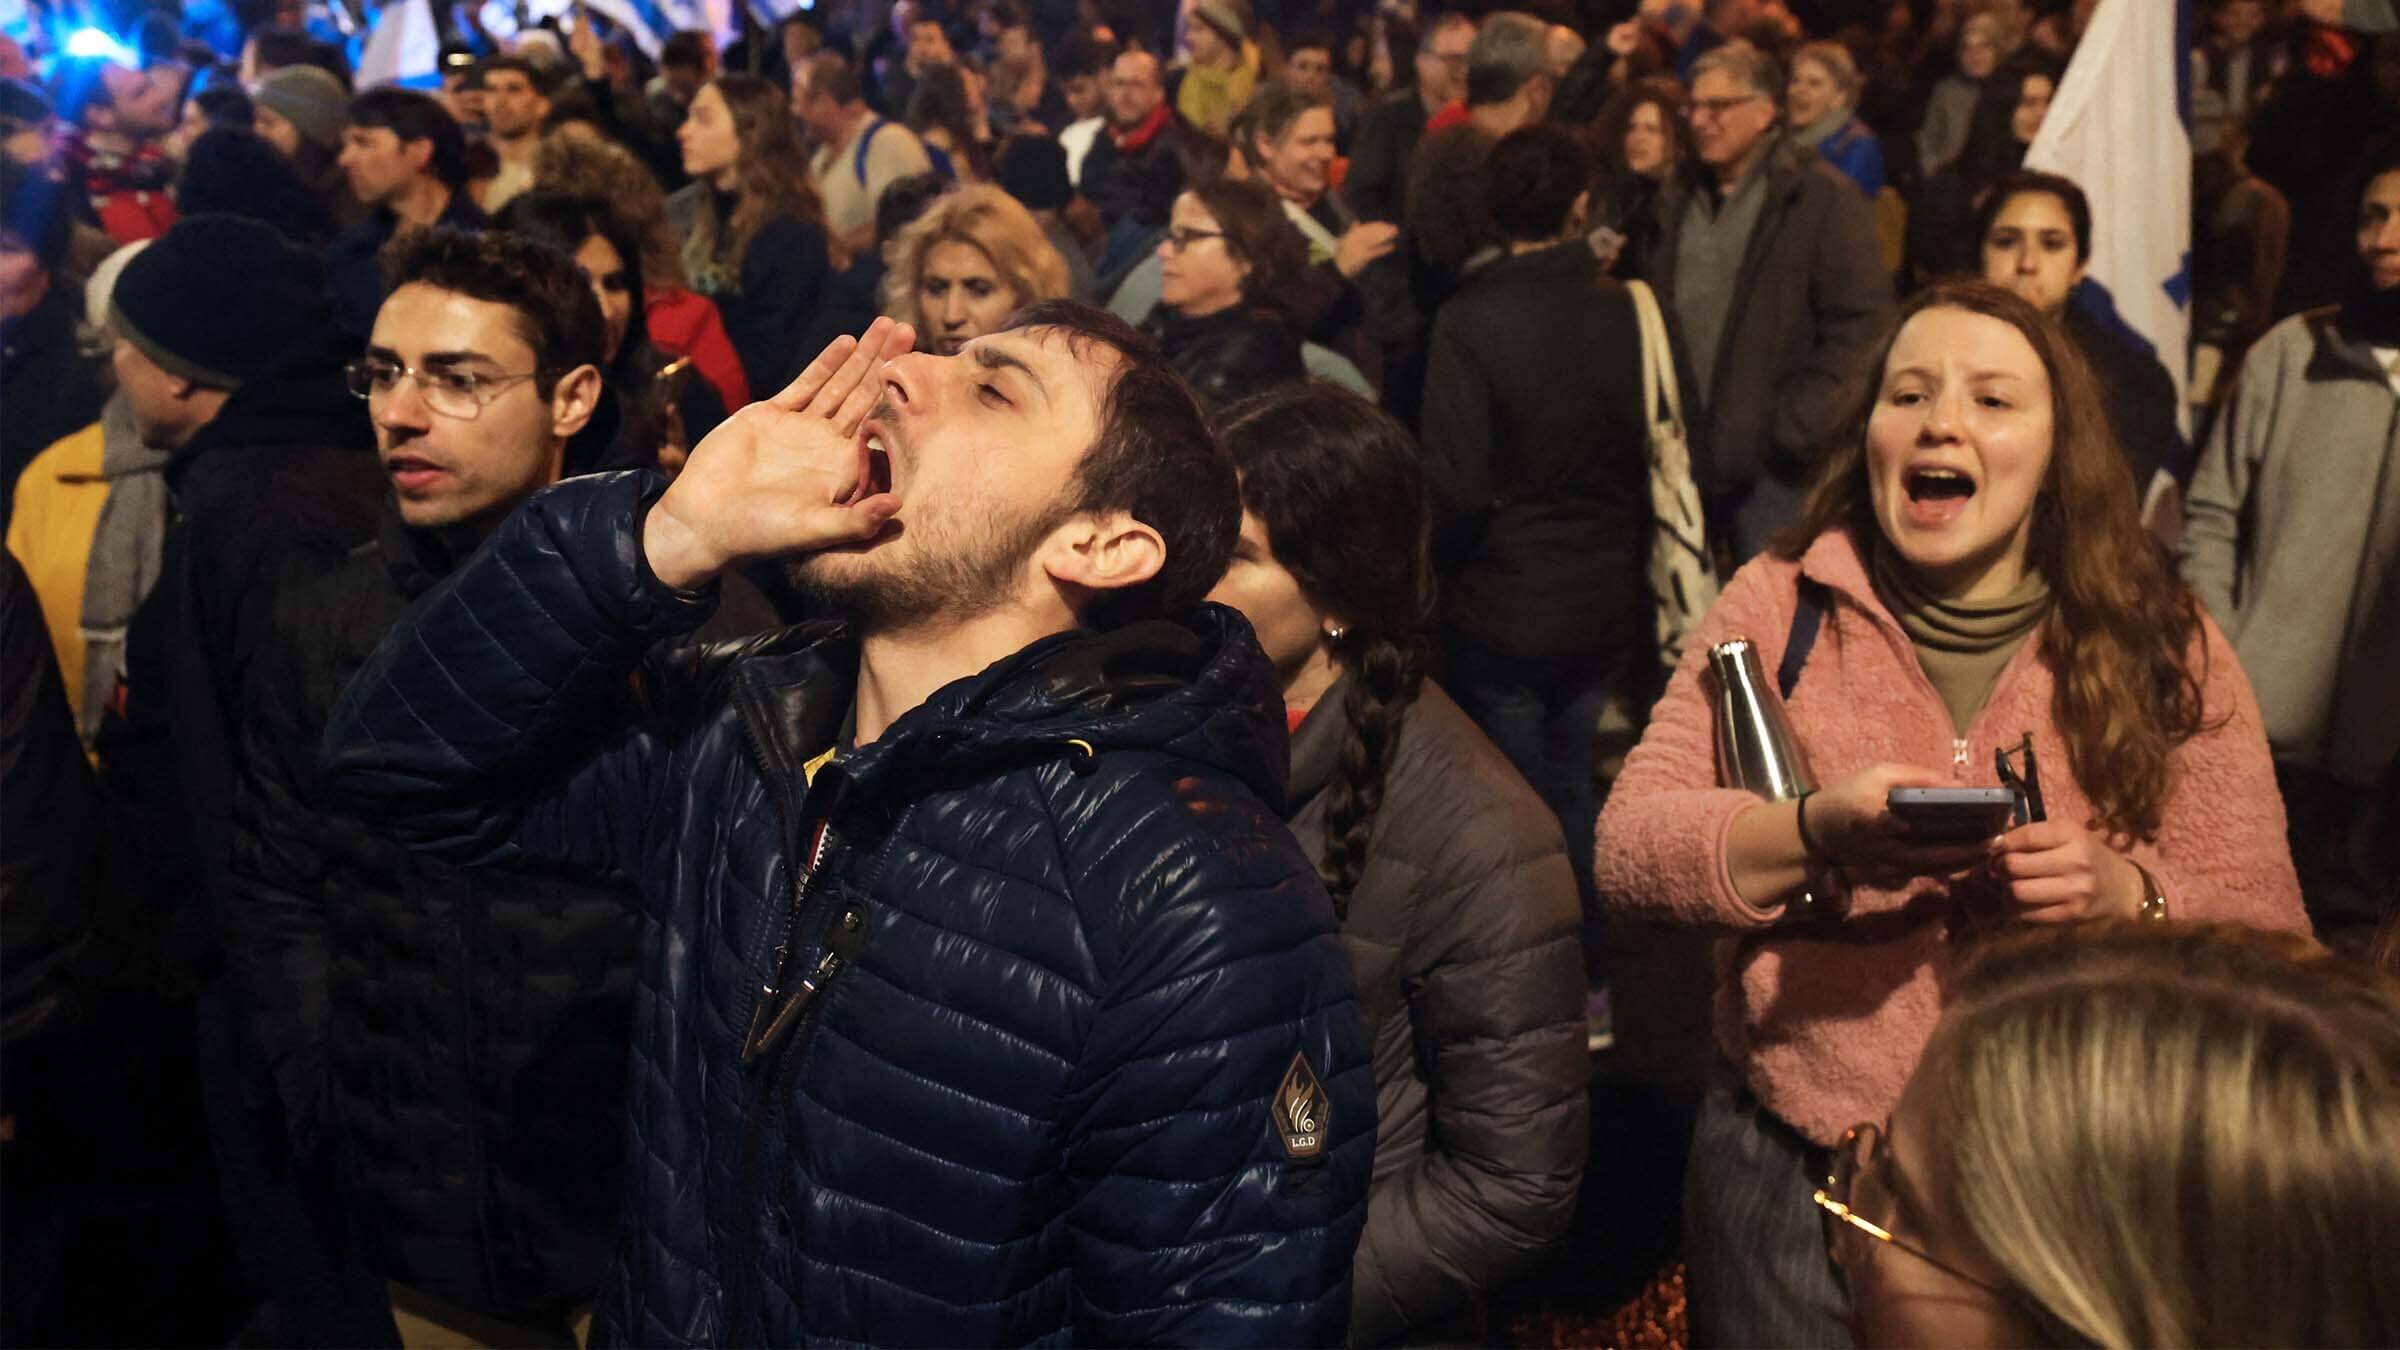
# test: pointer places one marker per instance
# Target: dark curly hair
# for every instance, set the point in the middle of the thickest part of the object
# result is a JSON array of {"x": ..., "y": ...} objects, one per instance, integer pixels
[
  {"x": 1309, "y": 455},
  {"x": 556, "y": 312}
]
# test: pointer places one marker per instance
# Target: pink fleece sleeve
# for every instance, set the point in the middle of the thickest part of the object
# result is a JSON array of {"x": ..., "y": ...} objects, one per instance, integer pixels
[
  {"x": 1660, "y": 849},
  {"x": 2222, "y": 852}
]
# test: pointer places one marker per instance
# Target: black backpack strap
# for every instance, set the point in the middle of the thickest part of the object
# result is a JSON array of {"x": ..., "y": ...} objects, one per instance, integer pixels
[{"x": 1806, "y": 619}]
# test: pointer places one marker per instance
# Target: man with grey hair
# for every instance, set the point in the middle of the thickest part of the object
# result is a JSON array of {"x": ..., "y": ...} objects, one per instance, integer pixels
[
  {"x": 1447, "y": 229},
  {"x": 1390, "y": 132},
  {"x": 1766, "y": 260}
]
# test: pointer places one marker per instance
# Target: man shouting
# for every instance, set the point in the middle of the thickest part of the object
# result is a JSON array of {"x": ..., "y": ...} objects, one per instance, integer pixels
[{"x": 986, "y": 999}]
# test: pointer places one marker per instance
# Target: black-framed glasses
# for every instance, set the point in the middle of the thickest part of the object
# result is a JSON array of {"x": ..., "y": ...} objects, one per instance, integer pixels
[
  {"x": 1715, "y": 109},
  {"x": 2027, "y": 782},
  {"x": 1851, "y": 1236},
  {"x": 1183, "y": 237},
  {"x": 456, "y": 394}
]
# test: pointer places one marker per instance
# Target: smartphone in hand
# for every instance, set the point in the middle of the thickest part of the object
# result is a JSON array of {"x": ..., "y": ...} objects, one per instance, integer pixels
[{"x": 1953, "y": 815}]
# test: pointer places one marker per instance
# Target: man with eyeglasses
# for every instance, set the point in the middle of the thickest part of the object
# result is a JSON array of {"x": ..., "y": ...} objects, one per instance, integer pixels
[
  {"x": 1767, "y": 260},
  {"x": 438, "y": 1050},
  {"x": 1389, "y": 132}
]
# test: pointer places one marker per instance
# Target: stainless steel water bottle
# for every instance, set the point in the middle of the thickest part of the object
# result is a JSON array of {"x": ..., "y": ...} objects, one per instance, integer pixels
[{"x": 1756, "y": 750}]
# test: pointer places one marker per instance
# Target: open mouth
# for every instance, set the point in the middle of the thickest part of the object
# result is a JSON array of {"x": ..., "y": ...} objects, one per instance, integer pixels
[
  {"x": 874, "y": 467},
  {"x": 1933, "y": 483}
]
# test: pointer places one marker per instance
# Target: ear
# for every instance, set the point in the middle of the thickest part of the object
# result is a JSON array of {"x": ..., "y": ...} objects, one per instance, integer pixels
[
  {"x": 1104, "y": 551},
  {"x": 418, "y": 153},
  {"x": 1579, "y": 216},
  {"x": 573, "y": 400}
]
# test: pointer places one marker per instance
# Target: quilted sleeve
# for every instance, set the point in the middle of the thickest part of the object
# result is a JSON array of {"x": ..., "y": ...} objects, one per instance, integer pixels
[
  {"x": 1222, "y": 1126},
  {"x": 495, "y": 719},
  {"x": 1499, "y": 1017}
]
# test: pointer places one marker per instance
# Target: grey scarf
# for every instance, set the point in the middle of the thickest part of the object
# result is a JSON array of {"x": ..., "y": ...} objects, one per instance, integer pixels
[
  {"x": 127, "y": 544},
  {"x": 1818, "y": 132}
]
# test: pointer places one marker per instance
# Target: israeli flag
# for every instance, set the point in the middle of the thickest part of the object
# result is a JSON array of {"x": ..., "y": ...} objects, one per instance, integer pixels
[
  {"x": 2119, "y": 127},
  {"x": 405, "y": 48}
]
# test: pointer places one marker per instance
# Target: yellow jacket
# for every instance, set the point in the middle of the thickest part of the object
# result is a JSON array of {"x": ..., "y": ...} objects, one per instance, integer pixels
[{"x": 57, "y": 507}]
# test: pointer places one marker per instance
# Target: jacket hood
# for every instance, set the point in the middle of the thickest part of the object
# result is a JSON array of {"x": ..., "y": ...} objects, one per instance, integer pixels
[
  {"x": 301, "y": 401},
  {"x": 1197, "y": 687}
]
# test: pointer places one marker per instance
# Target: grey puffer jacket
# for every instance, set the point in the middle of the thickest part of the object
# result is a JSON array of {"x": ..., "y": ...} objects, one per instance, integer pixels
[{"x": 1463, "y": 937}]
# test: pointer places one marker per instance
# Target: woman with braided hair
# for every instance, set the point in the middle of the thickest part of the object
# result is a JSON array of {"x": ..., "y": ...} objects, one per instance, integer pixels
[{"x": 1457, "y": 906}]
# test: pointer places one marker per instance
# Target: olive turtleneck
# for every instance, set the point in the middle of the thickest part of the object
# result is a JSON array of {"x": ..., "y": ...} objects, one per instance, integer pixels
[{"x": 1962, "y": 645}]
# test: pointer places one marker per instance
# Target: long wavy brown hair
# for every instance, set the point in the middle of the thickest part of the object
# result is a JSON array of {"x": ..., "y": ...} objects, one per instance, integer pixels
[
  {"x": 770, "y": 177},
  {"x": 2123, "y": 634}
]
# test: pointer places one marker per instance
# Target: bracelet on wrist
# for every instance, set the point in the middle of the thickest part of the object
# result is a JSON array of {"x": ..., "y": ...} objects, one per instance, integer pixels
[{"x": 1808, "y": 842}]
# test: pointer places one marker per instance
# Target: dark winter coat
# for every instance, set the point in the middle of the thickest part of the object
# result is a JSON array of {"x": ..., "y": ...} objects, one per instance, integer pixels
[
  {"x": 1811, "y": 298},
  {"x": 48, "y": 819},
  {"x": 1463, "y": 933},
  {"x": 354, "y": 262},
  {"x": 1140, "y": 184},
  {"x": 49, "y": 388},
  {"x": 1060, "y": 956},
  {"x": 1377, "y": 183},
  {"x": 770, "y": 295},
  {"x": 1230, "y": 354},
  {"x": 288, "y": 462},
  {"x": 2136, "y": 392},
  {"x": 448, "y": 1042},
  {"x": 1538, "y": 459}
]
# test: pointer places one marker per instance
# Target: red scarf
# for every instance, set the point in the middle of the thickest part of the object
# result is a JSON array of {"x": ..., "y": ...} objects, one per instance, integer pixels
[{"x": 1131, "y": 142}]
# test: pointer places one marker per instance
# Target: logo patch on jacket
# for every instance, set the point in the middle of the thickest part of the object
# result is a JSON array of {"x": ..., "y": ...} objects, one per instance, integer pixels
[{"x": 1303, "y": 1113}]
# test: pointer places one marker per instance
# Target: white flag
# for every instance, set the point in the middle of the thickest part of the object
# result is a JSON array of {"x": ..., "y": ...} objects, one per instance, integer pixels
[
  {"x": 405, "y": 48},
  {"x": 2116, "y": 128}
]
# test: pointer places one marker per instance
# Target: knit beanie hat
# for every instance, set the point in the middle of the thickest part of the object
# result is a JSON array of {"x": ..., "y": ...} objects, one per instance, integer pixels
[
  {"x": 310, "y": 99},
  {"x": 217, "y": 299},
  {"x": 1226, "y": 17}
]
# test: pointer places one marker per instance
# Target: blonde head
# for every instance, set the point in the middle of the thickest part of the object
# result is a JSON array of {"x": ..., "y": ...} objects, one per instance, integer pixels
[
  {"x": 989, "y": 220},
  {"x": 2182, "y": 1135}
]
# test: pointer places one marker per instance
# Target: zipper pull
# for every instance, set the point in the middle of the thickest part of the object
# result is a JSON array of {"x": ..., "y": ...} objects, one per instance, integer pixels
[{"x": 771, "y": 1024}]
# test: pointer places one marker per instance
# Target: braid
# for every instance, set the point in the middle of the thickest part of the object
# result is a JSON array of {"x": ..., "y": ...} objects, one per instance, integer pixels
[{"x": 1389, "y": 678}]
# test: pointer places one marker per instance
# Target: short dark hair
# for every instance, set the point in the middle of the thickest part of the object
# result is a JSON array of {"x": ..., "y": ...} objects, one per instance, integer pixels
[
  {"x": 1084, "y": 55},
  {"x": 1316, "y": 37},
  {"x": 686, "y": 47},
  {"x": 1270, "y": 113},
  {"x": 831, "y": 74},
  {"x": 905, "y": 199},
  {"x": 2027, "y": 183},
  {"x": 414, "y": 116},
  {"x": 1532, "y": 179},
  {"x": 225, "y": 107},
  {"x": 557, "y": 314},
  {"x": 1154, "y": 459},
  {"x": 493, "y": 65}
]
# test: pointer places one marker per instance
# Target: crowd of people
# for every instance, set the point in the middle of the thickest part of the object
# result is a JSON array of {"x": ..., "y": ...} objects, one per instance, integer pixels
[{"x": 997, "y": 671}]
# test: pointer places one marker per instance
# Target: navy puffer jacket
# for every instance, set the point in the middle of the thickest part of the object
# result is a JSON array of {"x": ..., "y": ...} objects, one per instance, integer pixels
[{"x": 1066, "y": 957}]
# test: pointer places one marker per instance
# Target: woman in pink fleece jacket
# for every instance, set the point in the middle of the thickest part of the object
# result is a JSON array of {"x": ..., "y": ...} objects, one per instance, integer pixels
[{"x": 1974, "y": 548}]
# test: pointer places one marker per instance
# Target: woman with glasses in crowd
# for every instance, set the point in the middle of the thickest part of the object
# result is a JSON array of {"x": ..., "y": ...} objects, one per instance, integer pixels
[
  {"x": 1227, "y": 259},
  {"x": 2135, "y": 1135},
  {"x": 753, "y": 229},
  {"x": 1451, "y": 884},
  {"x": 1969, "y": 576},
  {"x": 974, "y": 257}
]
